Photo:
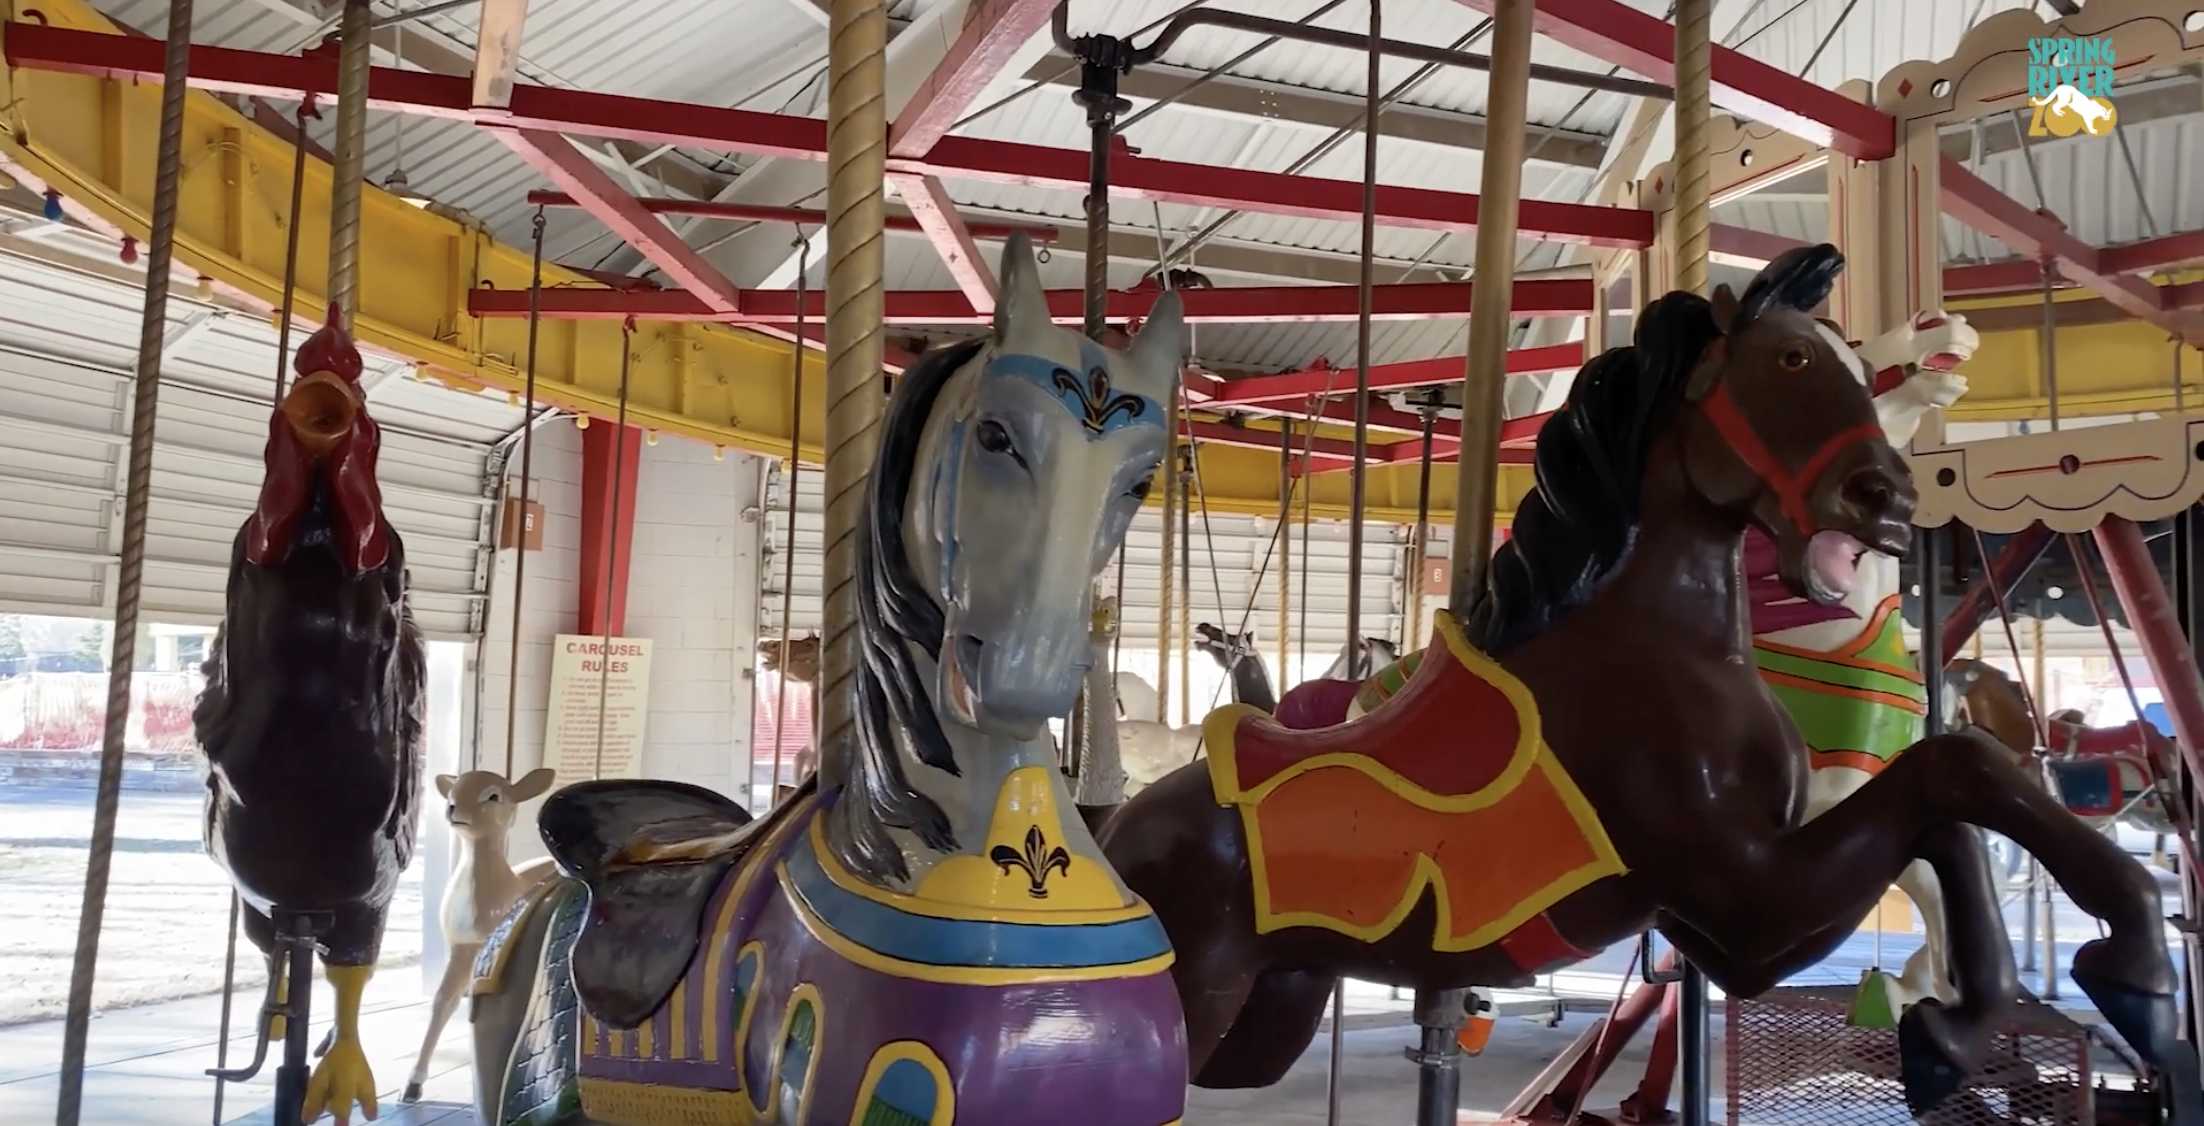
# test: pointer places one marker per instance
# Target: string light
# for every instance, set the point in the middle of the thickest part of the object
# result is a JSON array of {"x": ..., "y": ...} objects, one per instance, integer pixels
[
  {"x": 719, "y": 453},
  {"x": 512, "y": 398},
  {"x": 129, "y": 251},
  {"x": 581, "y": 422},
  {"x": 650, "y": 437},
  {"x": 52, "y": 210},
  {"x": 204, "y": 288}
]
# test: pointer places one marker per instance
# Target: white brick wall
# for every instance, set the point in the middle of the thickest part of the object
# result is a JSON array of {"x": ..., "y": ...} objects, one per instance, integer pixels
[{"x": 692, "y": 589}]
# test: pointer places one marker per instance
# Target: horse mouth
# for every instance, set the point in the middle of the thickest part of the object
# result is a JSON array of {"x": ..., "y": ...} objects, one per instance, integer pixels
[{"x": 1833, "y": 566}]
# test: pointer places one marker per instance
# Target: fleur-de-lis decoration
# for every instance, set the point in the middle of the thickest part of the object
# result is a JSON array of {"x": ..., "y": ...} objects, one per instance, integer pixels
[
  {"x": 1097, "y": 403},
  {"x": 1037, "y": 860}
]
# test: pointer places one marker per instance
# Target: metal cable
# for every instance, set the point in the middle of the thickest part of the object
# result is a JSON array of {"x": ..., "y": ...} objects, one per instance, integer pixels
[
  {"x": 2012, "y": 640},
  {"x": 130, "y": 575},
  {"x": 857, "y": 130},
  {"x": 527, "y": 477},
  {"x": 1218, "y": 71},
  {"x": 229, "y": 987},
  {"x": 349, "y": 171},
  {"x": 290, "y": 278},
  {"x": 788, "y": 549},
  {"x": 1324, "y": 148},
  {"x": 1358, "y": 477},
  {"x": 615, "y": 572}
]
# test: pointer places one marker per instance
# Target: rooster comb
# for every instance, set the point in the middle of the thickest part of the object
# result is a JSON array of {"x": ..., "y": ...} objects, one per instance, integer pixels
[{"x": 330, "y": 349}]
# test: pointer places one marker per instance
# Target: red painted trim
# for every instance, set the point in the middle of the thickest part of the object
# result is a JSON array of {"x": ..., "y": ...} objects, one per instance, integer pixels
[
  {"x": 1297, "y": 386},
  {"x": 604, "y": 545},
  {"x": 1743, "y": 246},
  {"x": 1241, "y": 304},
  {"x": 936, "y": 212},
  {"x": 582, "y": 113},
  {"x": 994, "y": 30},
  {"x": 1616, "y": 33},
  {"x": 564, "y": 165},
  {"x": 761, "y": 213},
  {"x": 2036, "y": 234}
]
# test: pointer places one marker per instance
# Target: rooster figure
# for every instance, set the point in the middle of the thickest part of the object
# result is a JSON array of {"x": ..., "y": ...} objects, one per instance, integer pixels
[{"x": 312, "y": 718}]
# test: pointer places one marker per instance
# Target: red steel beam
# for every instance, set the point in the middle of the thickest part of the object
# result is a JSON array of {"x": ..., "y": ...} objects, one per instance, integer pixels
[
  {"x": 608, "y": 525},
  {"x": 993, "y": 32},
  {"x": 1518, "y": 441},
  {"x": 581, "y": 113},
  {"x": 762, "y": 213},
  {"x": 1329, "y": 450},
  {"x": 937, "y": 213},
  {"x": 1614, "y": 32},
  {"x": 1977, "y": 203},
  {"x": 1297, "y": 386},
  {"x": 1989, "y": 278},
  {"x": 565, "y": 165},
  {"x": 1239, "y": 305}
]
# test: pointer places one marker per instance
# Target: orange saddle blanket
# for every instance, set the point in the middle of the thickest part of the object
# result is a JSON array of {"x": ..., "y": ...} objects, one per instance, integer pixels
[{"x": 1448, "y": 786}]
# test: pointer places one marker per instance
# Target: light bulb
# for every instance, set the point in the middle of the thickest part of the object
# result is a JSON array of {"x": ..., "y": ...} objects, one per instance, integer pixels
[
  {"x": 2054, "y": 593},
  {"x": 204, "y": 288},
  {"x": 650, "y": 437},
  {"x": 129, "y": 251},
  {"x": 719, "y": 453},
  {"x": 52, "y": 211},
  {"x": 581, "y": 422},
  {"x": 512, "y": 398},
  {"x": 420, "y": 373}
]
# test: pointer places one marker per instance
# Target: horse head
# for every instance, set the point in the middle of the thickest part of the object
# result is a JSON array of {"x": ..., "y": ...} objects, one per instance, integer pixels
[
  {"x": 1227, "y": 648},
  {"x": 1779, "y": 428},
  {"x": 1008, "y": 473}
]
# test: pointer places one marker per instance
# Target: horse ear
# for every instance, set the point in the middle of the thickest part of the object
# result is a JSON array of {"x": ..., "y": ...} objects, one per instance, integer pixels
[
  {"x": 1023, "y": 300},
  {"x": 1726, "y": 309},
  {"x": 1160, "y": 349}
]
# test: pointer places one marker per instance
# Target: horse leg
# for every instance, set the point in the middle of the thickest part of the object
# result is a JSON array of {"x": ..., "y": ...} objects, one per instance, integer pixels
[
  {"x": 1926, "y": 974},
  {"x": 1275, "y": 1026},
  {"x": 458, "y": 970},
  {"x": 499, "y": 1018}
]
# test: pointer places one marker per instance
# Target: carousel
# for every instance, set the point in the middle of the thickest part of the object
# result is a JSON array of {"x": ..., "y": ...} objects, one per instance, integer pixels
[{"x": 1673, "y": 708}]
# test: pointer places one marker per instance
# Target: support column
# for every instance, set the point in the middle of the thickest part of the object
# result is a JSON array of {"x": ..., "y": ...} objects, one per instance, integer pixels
[{"x": 606, "y": 548}]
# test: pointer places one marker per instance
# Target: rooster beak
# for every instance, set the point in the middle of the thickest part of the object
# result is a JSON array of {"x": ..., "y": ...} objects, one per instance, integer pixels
[{"x": 321, "y": 409}]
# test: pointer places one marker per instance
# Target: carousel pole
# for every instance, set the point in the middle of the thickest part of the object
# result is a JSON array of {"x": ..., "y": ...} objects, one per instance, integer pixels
[
  {"x": 1440, "y": 1013},
  {"x": 1285, "y": 549},
  {"x": 1694, "y": 207},
  {"x": 1358, "y": 483},
  {"x": 130, "y": 575},
  {"x": 857, "y": 132}
]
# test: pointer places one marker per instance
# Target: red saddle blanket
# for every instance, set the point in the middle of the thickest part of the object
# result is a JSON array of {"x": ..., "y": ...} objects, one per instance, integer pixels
[{"x": 1448, "y": 786}]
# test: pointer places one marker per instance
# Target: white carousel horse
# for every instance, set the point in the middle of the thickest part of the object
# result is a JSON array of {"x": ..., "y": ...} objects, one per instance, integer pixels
[{"x": 926, "y": 930}]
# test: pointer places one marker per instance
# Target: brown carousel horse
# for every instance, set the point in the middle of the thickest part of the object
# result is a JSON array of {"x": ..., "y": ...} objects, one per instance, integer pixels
[{"x": 1591, "y": 752}]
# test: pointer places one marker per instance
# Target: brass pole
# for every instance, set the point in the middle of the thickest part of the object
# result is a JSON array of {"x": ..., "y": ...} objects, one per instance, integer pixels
[
  {"x": 857, "y": 133},
  {"x": 1478, "y": 472},
  {"x": 349, "y": 172},
  {"x": 1285, "y": 548},
  {"x": 1167, "y": 578}
]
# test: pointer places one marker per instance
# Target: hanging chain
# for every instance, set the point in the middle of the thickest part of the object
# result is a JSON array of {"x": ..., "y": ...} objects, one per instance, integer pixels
[
  {"x": 527, "y": 477},
  {"x": 615, "y": 571}
]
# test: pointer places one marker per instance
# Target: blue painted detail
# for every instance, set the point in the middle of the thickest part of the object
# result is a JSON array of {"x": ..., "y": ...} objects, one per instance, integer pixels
[
  {"x": 2088, "y": 787},
  {"x": 797, "y": 1052},
  {"x": 933, "y": 941},
  {"x": 1088, "y": 395},
  {"x": 909, "y": 1088}
]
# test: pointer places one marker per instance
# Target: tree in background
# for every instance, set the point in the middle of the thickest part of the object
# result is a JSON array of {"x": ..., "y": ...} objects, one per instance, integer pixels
[
  {"x": 15, "y": 657},
  {"x": 90, "y": 654}
]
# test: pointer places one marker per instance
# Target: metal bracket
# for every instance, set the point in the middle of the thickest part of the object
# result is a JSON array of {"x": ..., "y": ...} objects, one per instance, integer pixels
[{"x": 1649, "y": 969}]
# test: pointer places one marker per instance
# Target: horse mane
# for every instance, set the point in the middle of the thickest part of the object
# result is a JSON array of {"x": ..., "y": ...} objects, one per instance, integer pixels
[
  {"x": 1576, "y": 528},
  {"x": 894, "y": 611}
]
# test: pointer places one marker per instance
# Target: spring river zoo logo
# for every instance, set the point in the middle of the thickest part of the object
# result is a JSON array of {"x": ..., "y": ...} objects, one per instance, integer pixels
[{"x": 2070, "y": 86}]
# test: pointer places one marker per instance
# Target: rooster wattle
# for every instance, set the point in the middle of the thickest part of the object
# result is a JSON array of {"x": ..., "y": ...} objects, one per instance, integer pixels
[{"x": 312, "y": 717}]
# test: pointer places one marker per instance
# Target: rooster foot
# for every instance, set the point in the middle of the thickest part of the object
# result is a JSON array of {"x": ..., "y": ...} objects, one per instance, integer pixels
[{"x": 340, "y": 1080}]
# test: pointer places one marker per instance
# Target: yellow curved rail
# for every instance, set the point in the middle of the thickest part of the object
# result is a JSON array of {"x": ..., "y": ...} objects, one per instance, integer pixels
[{"x": 91, "y": 139}]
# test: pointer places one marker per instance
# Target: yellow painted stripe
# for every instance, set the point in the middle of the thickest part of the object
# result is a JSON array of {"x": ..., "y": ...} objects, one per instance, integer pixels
[{"x": 677, "y": 1034}]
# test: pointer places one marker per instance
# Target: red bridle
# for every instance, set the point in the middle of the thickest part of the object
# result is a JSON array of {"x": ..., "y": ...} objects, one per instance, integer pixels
[{"x": 1788, "y": 485}]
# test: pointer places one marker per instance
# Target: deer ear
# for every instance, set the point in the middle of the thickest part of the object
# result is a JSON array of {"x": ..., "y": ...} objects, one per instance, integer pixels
[
  {"x": 534, "y": 783},
  {"x": 444, "y": 784}
]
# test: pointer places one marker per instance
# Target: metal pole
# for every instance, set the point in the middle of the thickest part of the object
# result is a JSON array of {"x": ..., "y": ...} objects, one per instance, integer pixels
[
  {"x": 527, "y": 473},
  {"x": 130, "y": 575},
  {"x": 1477, "y": 479},
  {"x": 1167, "y": 579},
  {"x": 1694, "y": 208},
  {"x": 1285, "y": 553},
  {"x": 2047, "y": 339},
  {"x": 349, "y": 171},
  {"x": 1422, "y": 547},
  {"x": 788, "y": 549},
  {"x": 857, "y": 131}
]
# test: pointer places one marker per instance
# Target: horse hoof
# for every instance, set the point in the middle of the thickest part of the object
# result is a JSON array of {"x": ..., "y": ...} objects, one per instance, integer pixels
[
  {"x": 2150, "y": 1022},
  {"x": 412, "y": 1093},
  {"x": 1928, "y": 1057}
]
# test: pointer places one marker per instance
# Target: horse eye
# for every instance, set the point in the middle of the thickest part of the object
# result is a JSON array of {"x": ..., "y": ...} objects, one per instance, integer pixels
[
  {"x": 1795, "y": 359},
  {"x": 993, "y": 437},
  {"x": 1141, "y": 488}
]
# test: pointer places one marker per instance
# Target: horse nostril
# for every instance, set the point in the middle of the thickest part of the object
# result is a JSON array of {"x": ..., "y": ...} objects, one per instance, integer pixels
[{"x": 1869, "y": 490}]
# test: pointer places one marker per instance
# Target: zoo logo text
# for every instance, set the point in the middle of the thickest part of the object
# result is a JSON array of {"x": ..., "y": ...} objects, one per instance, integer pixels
[{"x": 2070, "y": 86}]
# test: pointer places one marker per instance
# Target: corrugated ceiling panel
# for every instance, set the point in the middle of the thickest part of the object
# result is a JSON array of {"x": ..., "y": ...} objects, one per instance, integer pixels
[
  {"x": 65, "y": 345},
  {"x": 1872, "y": 41}
]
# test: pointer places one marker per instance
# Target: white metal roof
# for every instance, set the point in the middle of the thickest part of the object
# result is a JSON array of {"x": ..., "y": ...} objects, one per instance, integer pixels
[
  {"x": 68, "y": 339},
  {"x": 766, "y": 54}
]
